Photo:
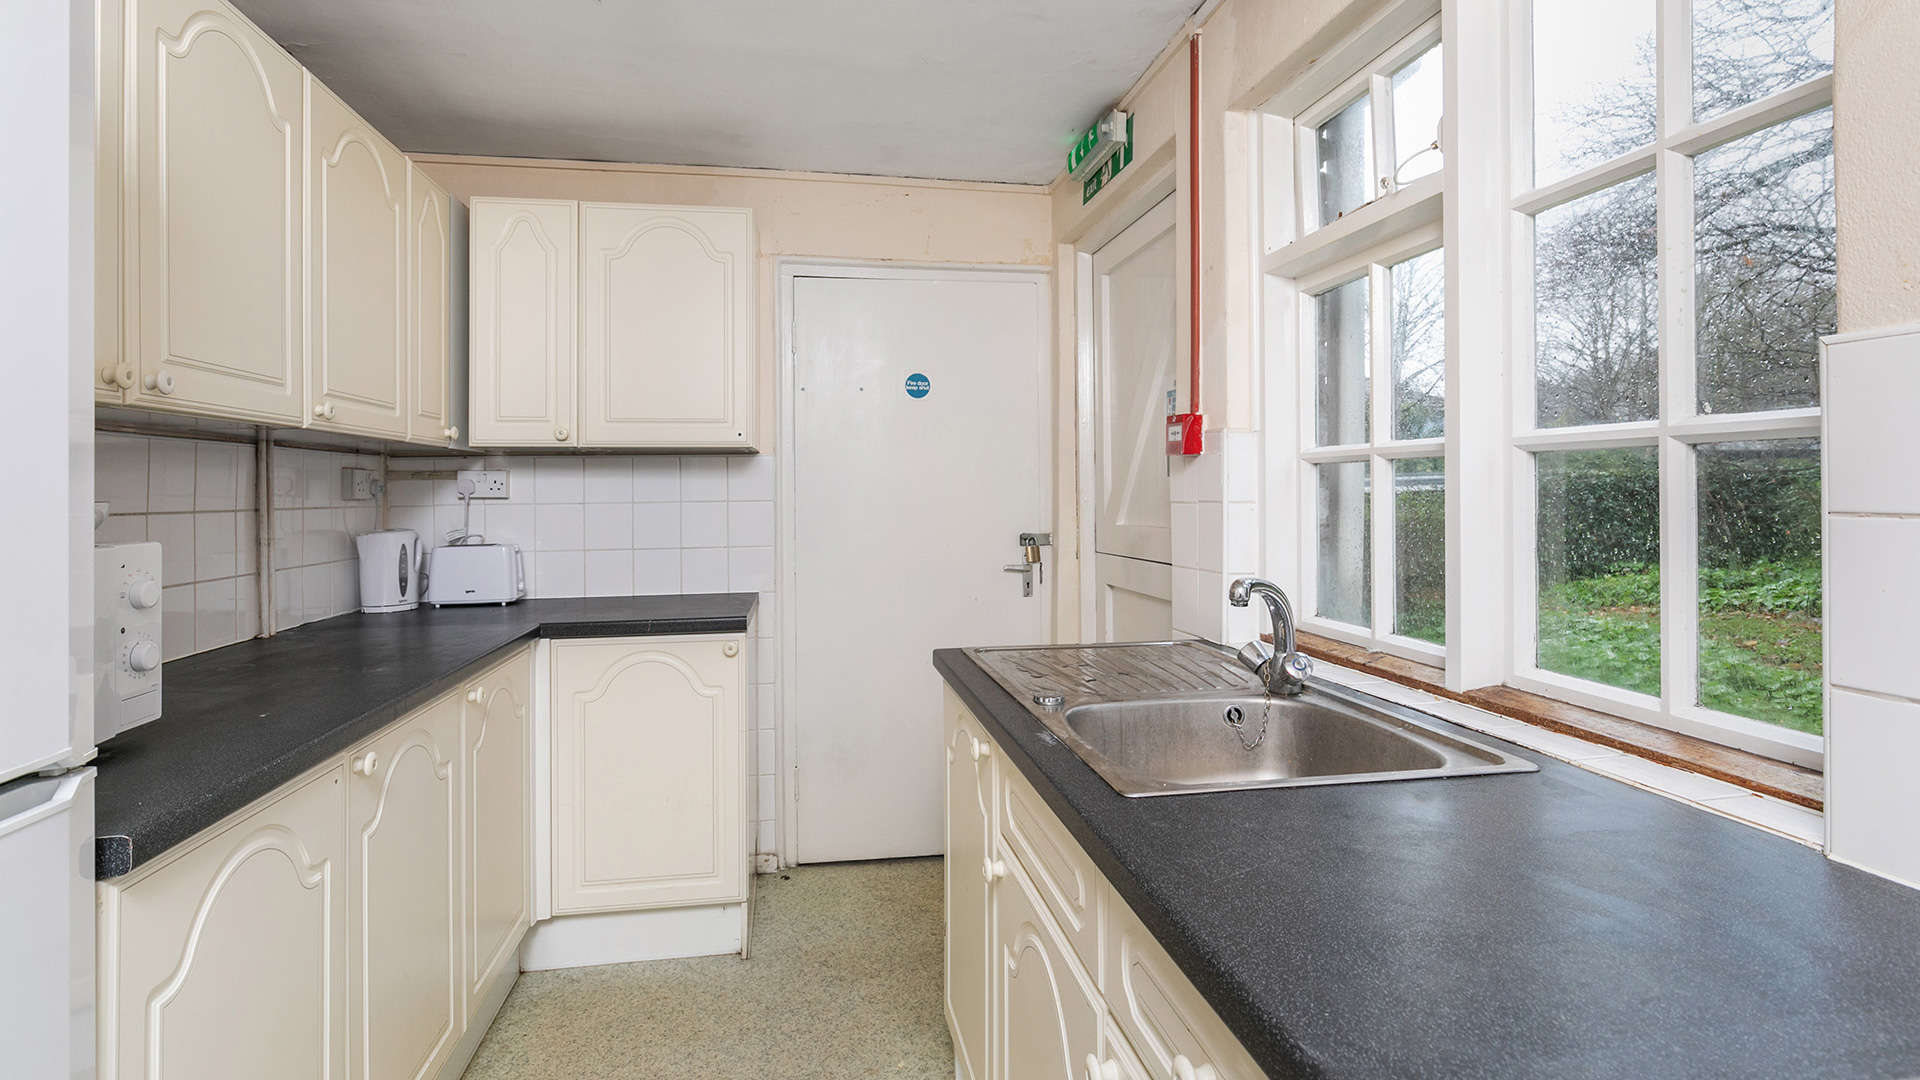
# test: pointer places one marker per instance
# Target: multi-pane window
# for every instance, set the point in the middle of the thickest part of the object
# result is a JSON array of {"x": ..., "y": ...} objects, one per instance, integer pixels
[
  {"x": 1678, "y": 196},
  {"x": 1375, "y": 134}
]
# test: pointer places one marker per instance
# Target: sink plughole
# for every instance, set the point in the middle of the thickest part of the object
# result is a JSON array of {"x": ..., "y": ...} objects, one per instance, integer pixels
[{"x": 1209, "y": 734}]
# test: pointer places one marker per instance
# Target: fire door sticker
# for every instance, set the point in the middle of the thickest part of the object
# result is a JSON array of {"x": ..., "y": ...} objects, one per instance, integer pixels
[{"x": 918, "y": 386}]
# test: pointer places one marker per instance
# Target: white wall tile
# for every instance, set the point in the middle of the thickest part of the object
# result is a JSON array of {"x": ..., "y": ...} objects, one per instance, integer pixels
[
  {"x": 608, "y": 526},
  {"x": 409, "y": 493},
  {"x": 176, "y": 622},
  {"x": 316, "y": 592},
  {"x": 121, "y": 529},
  {"x": 1211, "y": 519},
  {"x": 559, "y": 528},
  {"x": 214, "y": 624},
  {"x": 609, "y": 480},
  {"x": 656, "y": 525},
  {"x": 320, "y": 478},
  {"x": 170, "y": 472},
  {"x": 174, "y": 534},
  {"x": 120, "y": 472},
  {"x": 656, "y": 479},
  {"x": 703, "y": 570},
  {"x": 417, "y": 518},
  {"x": 1872, "y": 384},
  {"x": 750, "y": 478},
  {"x": 289, "y": 606},
  {"x": 749, "y": 569},
  {"x": 216, "y": 479},
  {"x": 656, "y": 572},
  {"x": 750, "y": 524},
  {"x": 324, "y": 536},
  {"x": 214, "y": 551},
  {"x": 1873, "y": 783},
  {"x": 510, "y": 524},
  {"x": 558, "y": 480},
  {"x": 1186, "y": 534},
  {"x": 1876, "y": 575},
  {"x": 1240, "y": 464},
  {"x": 703, "y": 479},
  {"x": 561, "y": 573},
  {"x": 609, "y": 573},
  {"x": 703, "y": 524}
]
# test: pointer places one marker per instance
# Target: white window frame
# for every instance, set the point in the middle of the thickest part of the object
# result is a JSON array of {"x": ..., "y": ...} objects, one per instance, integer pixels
[{"x": 1679, "y": 428}]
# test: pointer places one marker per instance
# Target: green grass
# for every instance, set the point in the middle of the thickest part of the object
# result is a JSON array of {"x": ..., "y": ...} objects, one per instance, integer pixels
[{"x": 1760, "y": 634}]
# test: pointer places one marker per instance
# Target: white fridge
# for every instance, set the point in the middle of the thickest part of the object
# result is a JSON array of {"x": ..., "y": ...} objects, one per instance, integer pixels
[{"x": 46, "y": 615}]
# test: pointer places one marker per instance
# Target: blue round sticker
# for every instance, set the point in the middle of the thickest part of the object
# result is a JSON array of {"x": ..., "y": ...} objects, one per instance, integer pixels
[{"x": 917, "y": 385}]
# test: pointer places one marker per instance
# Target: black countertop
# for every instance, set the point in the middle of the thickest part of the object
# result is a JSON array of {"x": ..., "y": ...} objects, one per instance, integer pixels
[
  {"x": 1549, "y": 924},
  {"x": 240, "y": 721}
]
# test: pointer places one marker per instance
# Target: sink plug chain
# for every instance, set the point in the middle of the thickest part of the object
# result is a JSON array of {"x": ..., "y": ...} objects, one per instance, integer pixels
[{"x": 1237, "y": 720}]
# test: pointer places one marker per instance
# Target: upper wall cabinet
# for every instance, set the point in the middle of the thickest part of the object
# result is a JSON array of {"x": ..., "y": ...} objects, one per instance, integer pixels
[
  {"x": 212, "y": 217},
  {"x": 665, "y": 318},
  {"x": 357, "y": 333},
  {"x": 521, "y": 345},
  {"x": 429, "y": 291}
]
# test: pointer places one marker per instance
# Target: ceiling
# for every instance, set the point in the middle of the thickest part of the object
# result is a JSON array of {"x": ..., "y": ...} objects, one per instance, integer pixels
[{"x": 952, "y": 89}]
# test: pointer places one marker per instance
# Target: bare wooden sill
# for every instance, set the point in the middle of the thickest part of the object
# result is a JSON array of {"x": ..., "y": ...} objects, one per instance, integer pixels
[{"x": 1792, "y": 783}]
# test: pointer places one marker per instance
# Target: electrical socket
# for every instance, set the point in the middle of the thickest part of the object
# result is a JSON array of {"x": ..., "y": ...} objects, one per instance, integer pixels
[
  {"x": 357, "y": 485},
  {"x": 487, "y": 483}
]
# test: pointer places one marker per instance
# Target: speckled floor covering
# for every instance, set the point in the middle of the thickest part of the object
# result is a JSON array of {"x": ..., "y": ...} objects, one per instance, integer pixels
[{"x": 844, "y": 983}]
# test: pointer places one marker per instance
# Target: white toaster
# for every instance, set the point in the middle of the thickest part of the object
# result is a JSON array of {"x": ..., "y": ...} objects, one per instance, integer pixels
[{"x": 475, "y": 574}]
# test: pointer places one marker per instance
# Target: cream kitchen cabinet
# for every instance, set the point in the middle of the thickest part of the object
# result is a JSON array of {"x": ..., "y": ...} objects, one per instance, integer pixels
[
  {"x": 429, "y": 294},
  {"x": 114, "y": 372},
  {"x": 228, "y": 961},
  {"x": 604, "y": 325},
  {"x": 405, "y": 999},
  {"x": 357, "y": 211},
  {"x": 522, "y": 288},
  {"x": 213, "y": 219},
  {"x": 649, "y": 774},
  {"x": 1049, "y": 973},
  {"x": 666, "y": 327},
  {"x": 497, "y": 819}
]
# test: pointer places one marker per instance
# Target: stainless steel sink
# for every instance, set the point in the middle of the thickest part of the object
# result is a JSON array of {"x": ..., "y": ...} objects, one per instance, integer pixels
[{"x": 1168, "y": 718}]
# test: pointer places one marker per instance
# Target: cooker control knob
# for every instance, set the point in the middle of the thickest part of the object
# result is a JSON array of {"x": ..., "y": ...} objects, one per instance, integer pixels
[
  {"x": 143, "y": 655},
  {"x": 143, "y": 592}
]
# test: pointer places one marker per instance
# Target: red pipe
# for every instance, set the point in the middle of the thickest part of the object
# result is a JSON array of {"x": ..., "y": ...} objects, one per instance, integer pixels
[{"x": 1193, "y": 223}]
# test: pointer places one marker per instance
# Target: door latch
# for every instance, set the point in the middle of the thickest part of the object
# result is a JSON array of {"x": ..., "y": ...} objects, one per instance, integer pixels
[{"x": 1030, "y": 564}]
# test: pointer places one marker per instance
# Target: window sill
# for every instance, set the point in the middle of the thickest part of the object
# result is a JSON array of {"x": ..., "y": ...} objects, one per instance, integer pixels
[{"x": 1779, "y": 780}]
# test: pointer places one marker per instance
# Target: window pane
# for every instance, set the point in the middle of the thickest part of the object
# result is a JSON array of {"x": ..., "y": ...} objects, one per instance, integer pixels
[
  {"x": 1340, "y": 365},
  {"x": 1760, "y": 581},
  {"x": 1345, "y": 580},
  {"x": 1420, "y": 549},
  {"x": 1764, "y": 265},
  {"x": 1593, "y": 90},
  {"x": 1596, "y": 308},
  {"x": 1599, "y": 566},
  {"x": 1743, "y": 51},
  {"x": 1343, "y": 165},
  {"x": 1416, "y": 117},
  {"x": 1419, "y": 327}
]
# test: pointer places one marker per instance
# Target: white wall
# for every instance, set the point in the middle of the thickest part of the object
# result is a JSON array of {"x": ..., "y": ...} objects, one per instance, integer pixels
[{"x": 1876, "y": 160}]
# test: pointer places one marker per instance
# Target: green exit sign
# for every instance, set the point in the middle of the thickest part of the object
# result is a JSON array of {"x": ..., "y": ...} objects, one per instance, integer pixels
[{"x": 1121, "y": 157}]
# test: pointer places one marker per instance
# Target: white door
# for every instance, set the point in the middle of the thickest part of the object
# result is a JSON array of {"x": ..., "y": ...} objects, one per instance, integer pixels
[
  {"x": 1046, "y": 1016},
  {"x": 1133, "y": 378},
  {"x": 667, "y": 326},
  {"x": 429, "y": 255},
  {"x": 497, "y": 825},
  {"x": 523, "y": 278},
  {"x": 920, "y": 423}
]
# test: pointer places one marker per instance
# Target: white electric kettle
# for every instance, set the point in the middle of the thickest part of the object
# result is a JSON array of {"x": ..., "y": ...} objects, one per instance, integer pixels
[{"x": 390, "y": 567}]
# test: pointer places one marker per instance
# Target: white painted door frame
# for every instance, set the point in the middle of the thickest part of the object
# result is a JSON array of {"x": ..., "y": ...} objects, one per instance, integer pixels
[
  {"x": 1117, "y": 219},
  {"x": 786, "y": 270}
]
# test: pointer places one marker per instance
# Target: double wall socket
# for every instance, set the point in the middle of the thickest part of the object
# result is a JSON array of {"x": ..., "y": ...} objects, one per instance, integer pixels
[
  {"x": 357, "y": 485},
  {"x": 487, "y": 483}
]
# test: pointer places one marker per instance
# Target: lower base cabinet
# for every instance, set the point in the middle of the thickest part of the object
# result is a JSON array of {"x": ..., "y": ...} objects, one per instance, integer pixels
[{"x": 1032, "y": 993}]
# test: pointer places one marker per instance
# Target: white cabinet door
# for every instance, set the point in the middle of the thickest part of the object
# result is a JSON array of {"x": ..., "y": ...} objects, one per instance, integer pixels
[
  {"x": 1177, "y": 1033},
  {"x": 113, "y": 365},
  {"x": 523, "y": 262},
  {"x": 970, "y": 804},
  {"x": 1046, "y": 1016},
  {"x": 215, "y": 214},
  {"x": 429, "y": 263},
  {"x": 667, "y": 328},
  {"x": 649, "y": 773},
  {"x": 230, "y": 961},
  {"x": 403, "y": 927},
  {"x": 496, "y": 826},
  {"x": 356, "y": 272}
]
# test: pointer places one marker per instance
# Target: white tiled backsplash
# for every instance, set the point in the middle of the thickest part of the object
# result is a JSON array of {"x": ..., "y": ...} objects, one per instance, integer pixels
[{"x": 198, "y": 500}]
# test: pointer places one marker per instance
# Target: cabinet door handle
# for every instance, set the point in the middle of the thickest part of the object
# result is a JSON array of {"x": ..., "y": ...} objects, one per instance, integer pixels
[
  {"x": 730, "y": 649},
  {"x": 474, "y": 695},
  {"x": 560, "y": 434},
  {"x": 121, "y": 377},
  {"x": 450, "y": 433},
  {"x": 366, "y": 763},
  {"x": 1102, "y": 1070},
  {"x": 981, "y": 750},
  {"x": 993, "y": 869},
  {"x": 160, "y": 382},
  {"x": 1184, "y": 1070},
  {"x": 324, "y": 410}
]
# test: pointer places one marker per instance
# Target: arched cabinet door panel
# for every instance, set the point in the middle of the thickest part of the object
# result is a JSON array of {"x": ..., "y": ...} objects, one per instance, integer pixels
[
  {"x": 521, "y": 362},
  {"x": 406, "y": 1003},
  {"x": 970, "y": 803},
  {"x": 1046, "y": 1016},
  {"x": 497, "y": 819},
  {"x": 229, "y": 961},
  {"x": 429, "y": 270},
  {"x": 667, "y": 328},
  {"x": 356, "y": 272},
  {"x": 649, "y": 778},
  {"x": 214, "y": 215}
]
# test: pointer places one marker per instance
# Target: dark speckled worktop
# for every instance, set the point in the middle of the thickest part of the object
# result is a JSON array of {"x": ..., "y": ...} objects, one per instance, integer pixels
[
  {"x": 240, "y": 721},
  {"x": 1538, "y": 925}
]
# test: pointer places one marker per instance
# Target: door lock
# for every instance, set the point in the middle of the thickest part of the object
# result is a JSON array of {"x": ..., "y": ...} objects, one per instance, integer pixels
[{"x": 1030, "y": 564}]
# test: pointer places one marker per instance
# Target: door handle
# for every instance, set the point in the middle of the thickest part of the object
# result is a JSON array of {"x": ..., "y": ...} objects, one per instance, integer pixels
[{"x": 1025, "y": 570}]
